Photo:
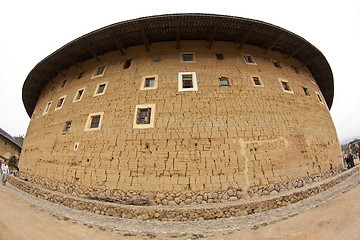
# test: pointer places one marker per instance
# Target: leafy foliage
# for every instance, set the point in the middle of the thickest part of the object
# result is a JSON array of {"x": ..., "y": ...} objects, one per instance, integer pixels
[
  {"x": 13, "y": 161},
  {"x": 19, "y": 139}
]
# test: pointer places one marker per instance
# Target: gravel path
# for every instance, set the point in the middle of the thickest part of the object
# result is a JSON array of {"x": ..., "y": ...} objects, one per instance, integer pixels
[{"x": 197, "y": 228}]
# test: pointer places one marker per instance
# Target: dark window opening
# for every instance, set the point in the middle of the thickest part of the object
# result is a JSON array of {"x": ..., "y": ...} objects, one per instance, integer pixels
[
  {"x": 80, "y": 75},
  {"x": 286, "y": 86},
  {"x": 67, "y": 126},
  {"x": 60, "y": 102},
  {"x": 249, "y": 59},
  {"x": 256, "y": 81},
  {"x": 149, "y": 82},
  {"x": 187, "y": 57},
  {"x": 101, "y": 88},
  {"x": 187, "y": 81},
  {"x": 127, "y": 63},
  {"x": 79, "y": 94},
  {"x": 100, "y": 70},
  {"x": 95, "y": 121},
  {"x": 296, "y": 70},
  {"x": 63, "y": 83},
  {"x": 143, "y": 116},
  {"x": 220, "y": 56},
  {"x": 276, "y": 64},
  {"x": 306, "y": 91}
]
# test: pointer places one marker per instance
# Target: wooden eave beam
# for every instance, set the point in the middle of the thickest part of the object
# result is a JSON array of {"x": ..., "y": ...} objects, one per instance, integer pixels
[
  {"x": 295, "y": 51},
  {"x": 274, "y": 43},
  {"x": 144, "y": 37},
  {"x": 53, "y": 68},
  {"x": 246, "y": 37},
  {"x": 71, "y": 59},
  {"x": 90, "y": 50},
  {"x": 212, "y": 35},
  {"x": 311, "y": 60},
  {"x": 178, "y": 34},
  {"x": 119, "y": 43}
]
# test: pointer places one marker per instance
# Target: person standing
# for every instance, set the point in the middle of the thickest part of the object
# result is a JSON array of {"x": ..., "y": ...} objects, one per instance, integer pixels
[{"x": 4, "y": 173}]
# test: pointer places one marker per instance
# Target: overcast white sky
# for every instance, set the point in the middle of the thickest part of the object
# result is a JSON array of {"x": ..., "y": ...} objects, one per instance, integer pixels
[{"x": 31, "y": 30}]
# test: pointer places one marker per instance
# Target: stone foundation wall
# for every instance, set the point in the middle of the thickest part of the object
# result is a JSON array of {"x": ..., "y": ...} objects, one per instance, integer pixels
[
  {"x": 195, "y": 211},
  {"x": 186, "y": 197}
]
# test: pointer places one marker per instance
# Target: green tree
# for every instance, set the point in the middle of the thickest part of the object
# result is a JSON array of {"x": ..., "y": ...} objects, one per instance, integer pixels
[
  {"x": 19, "y": 139},
  {"x": 13, "y": 161}
]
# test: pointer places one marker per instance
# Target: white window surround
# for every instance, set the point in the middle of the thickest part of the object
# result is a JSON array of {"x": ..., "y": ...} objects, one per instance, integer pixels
[
  {"x": 89, "y": 120},
  {"x": 97, "y": 89},
  {"x": 77, "y": 93},
  {"x": 245, "y": 56},
  {"x": 320, "y": 98},
  {"x": 95, "y": 75},
  {"x": 47, "y": 108},
  {"x": 188, "y": 53},
  {"x": 180, "y": 81},
  {"x": 142, "y": 86},
  {"x": 62, "y": 103},
  {"x": 311, "y": 79},
  {"x": 281, "y": 81},
  {"x": 259, "y": 79},
  {"x": 152, "y": 116}
]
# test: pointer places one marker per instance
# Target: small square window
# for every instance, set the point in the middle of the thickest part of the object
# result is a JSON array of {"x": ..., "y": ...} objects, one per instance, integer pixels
[
  {"x": 47, "y": 108},
  {"x": 63, "y": 83},
  {"x": 60, "y": 103},
  {"x": 296, "y": 70},
  {"x": 285, "y": 85},
  {"x": 319, "y": 98},
  {"x": 219, "y": 56},
  {"x": 311, "y": 79},
  {"x": 276, "y": 64},
  {"x": 144, "y": 116},
  {"x": 306, "y": 91},
  {"x": 149, "y": 82},
  {"x": 224, "y": 82},
  {"x": 157, "y": 58},
  {"x": 67, "y": 126},
  {"x": 79, "y": 95},
  {"x": 100, "y": 89},
  {"x": 100, "y": 71},
  {"x": 94, "y": 121},
  {"x": 187, "y": 81},
  {"x": 127, "y": 63},
  {"x": 80, "y": 75},
  {"x": 249, "y": 59},
  {"x": 257, "y": 82},
  {"x": 187, "y": 57}
]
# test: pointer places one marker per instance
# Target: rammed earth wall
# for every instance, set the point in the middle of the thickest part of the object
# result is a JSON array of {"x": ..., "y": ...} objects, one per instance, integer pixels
[{"x": 214, "y": 139}]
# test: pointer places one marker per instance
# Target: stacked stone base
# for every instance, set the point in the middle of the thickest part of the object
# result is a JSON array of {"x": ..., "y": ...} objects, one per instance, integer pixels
[{"x": 258, "y": 199}]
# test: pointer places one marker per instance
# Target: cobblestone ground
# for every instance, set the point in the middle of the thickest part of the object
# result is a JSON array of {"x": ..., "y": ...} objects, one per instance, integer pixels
[{"x": 198, "y": 229}]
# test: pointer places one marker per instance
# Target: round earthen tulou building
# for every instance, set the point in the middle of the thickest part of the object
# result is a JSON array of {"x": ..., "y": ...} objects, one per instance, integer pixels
[{"x": 191, "y": 104}]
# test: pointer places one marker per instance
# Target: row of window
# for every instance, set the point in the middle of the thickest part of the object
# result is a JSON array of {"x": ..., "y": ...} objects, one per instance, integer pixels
[
  {"x": 188, "y": 57},
  {"x": 186, "y": 82},
  {"x": 143, "y": 118}
]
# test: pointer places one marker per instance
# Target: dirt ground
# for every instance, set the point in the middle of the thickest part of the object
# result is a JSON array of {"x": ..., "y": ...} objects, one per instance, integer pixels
[{"x": 337, "y": 219}]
